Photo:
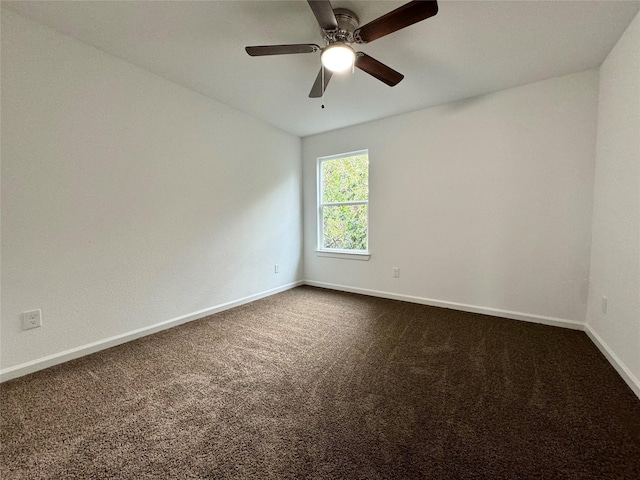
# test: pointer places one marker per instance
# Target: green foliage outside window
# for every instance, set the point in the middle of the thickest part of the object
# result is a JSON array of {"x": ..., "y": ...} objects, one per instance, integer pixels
[{"x": 344, "y": 224}]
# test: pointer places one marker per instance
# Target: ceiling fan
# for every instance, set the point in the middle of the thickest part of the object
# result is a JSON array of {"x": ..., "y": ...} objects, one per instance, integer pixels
[{"x": 340, "y": 28}]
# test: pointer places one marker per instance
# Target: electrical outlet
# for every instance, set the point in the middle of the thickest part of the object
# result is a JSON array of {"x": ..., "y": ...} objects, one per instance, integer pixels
[
  {"x": 395, "y": 272},
  {"x": 603, "y": 304},
  {"x": 31, "y": 319},
  {"x": 276, "y": 268}
]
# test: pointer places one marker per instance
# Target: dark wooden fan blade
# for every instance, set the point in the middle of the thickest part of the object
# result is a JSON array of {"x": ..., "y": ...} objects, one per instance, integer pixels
[
  {"x": 401, "y": 17},
  {"x": 377, "y": 69},
  {"x": 323, "y": 11},
  {"x": 281, "y": 49},
  {"x": 317, "y": 89}
]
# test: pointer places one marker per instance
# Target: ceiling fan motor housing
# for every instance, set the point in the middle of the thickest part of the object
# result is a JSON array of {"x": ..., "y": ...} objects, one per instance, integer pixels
[{"x": 347, "y": 23}]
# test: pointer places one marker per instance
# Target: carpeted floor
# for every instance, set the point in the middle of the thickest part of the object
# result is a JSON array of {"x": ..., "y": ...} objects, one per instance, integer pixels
[{"x": 318, "y": 384}]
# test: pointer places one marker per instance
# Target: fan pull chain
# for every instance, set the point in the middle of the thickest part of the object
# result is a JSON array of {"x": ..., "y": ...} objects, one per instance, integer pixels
[{"x": 322, "y": 69}]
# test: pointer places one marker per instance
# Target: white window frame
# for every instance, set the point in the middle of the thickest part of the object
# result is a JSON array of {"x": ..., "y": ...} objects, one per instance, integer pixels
[{"x": 321, "y": 251}]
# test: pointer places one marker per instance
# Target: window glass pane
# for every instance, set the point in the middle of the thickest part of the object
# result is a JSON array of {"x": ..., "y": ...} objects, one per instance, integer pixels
[
  {"x": 345, "y": 179},
  {"x": 345, "y": 227}
]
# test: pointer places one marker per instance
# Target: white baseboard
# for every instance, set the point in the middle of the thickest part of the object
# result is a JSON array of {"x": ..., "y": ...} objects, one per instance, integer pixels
[
  {"x": 65, "y": 356},
  {"x": 527, "y": 317},
  {"x": 614, "y": 360},
  {"x": 61, "y": 357}
]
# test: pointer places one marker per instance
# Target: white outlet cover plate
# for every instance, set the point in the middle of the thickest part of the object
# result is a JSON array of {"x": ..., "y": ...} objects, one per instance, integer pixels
[{"x": 31, "y": 319}]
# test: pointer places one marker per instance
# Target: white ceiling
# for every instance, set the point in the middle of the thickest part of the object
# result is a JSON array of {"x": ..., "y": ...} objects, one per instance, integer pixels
[{"x": 469, "y": 48}]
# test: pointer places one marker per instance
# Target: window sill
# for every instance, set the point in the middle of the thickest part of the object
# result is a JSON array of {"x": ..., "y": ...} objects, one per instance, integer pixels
[{"x": 344, "y": 255}]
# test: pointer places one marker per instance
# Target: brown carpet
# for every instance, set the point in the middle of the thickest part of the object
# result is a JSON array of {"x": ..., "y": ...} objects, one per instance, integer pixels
[{"x": 317, "y": 384}]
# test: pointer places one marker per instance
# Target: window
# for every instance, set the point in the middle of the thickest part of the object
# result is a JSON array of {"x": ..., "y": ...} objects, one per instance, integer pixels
[{"x": 343, "y": 203}]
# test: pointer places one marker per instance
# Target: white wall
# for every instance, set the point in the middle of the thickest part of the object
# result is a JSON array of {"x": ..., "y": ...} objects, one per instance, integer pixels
[
  {"x": 128, "y": 200},
  {"x": 485, "y": 203},
  {"x": 615, "y": 256}
]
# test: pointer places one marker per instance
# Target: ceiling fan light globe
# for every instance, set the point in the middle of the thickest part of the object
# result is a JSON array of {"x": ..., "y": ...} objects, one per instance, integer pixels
[{"x": 338, "y": 58}]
